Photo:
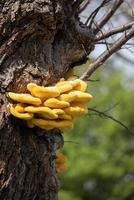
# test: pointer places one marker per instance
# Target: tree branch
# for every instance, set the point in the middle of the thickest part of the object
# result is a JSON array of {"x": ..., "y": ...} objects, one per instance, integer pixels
[
  {"x": 109, "y": 14},
  {"x": 105, "y": 115},
  {"x": 77, "y": 4},
  {"x": 95, "y": 12},
  {"x": 83, "y": 6},
  {"x": 113, "y": 31},
  {"x": 111, "y": 43},
  {"x": 106, "y": 54}
]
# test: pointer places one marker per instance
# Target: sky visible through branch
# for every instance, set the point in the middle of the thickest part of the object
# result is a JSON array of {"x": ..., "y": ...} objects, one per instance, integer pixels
[{"x": 118, "y": 19}]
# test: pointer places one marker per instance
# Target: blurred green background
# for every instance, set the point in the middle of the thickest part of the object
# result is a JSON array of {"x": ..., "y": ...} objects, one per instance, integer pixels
[{"x": 101, "y": 165}]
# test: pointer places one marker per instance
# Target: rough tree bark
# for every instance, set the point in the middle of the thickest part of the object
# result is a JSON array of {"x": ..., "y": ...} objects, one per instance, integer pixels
[{"x": 39, "y": 41}]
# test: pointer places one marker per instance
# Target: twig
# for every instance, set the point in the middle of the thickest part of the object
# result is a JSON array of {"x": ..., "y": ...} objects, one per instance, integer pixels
[
  {"x": 71, "y": 142},
  {"x": 103, "y": 114},
  {"x": 109, "y": 14},
  {"x": 111, "y": 43},
  {"x": 76, "y": 5},
  {"x": 111, "y": 107},
  {"x": 113, "y": 31},
  {"x": 106, "y": 54},
  {"x": 102, "y": 34},
  {"x": 96, "y": 80},
  {"x": 83, "y": 6},
  {"x": 95, "y": 12}
]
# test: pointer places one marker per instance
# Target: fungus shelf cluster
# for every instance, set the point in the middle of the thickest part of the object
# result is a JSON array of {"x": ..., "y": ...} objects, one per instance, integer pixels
[
  {"x": 51, "y": 107},
  {"x": 61, "y": 164}
]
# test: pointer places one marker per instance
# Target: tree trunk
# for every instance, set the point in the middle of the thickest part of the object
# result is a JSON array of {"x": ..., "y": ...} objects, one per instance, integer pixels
[{"x": 39, "y": 41}]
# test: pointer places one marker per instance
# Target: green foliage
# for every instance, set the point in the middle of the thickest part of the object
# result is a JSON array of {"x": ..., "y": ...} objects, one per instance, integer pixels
[{"x": 101, "y": 165}]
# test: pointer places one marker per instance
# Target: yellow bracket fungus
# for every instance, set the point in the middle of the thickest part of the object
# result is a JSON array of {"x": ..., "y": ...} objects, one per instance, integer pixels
[
  {"x": 79, "y": 85},
  {"x": 77, "y": 104},
  {"x": 81, "y": 96},
  {"x": 24, "y": 116},
  {"x": 60, "y": 124},
  {"x": 42, "y": 92},
  {"x": 75, "y": 111},
  {"x": 65, "y": 116},
  {"x": 76, "y": 84},
  {"x": 53, "y": 106},
  {"x": 24, "y": 98},
  {"x": 44, "y": 111},
  {"x": 67, "y": 97},
  {"x": 61, "y": 83},
  {"x": 55, "y": 103},
  {"x": 64, "y": 86},
  {"x": 20, "y": 108},
  {"x": 61, "y": 165},
  {"x": 58, "y": 111}
]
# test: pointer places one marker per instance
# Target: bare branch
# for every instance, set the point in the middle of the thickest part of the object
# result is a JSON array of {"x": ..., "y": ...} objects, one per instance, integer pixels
[
  {"x": 114, "y": 31},
  {"x": 73, "y": 142},
  {"x": 92, "y": 80},
  {"x": 106, "y": 54},
  {"x": 102, "y": 34},
  {"x": 83, "y": 6},
  {"x": 95, "y": 12},
  {"x": 105, "y": 115},
  {"x": 77, "y": 4},
  {"x": 109, "y": 14},
  {"x": 111, "y": 43}
]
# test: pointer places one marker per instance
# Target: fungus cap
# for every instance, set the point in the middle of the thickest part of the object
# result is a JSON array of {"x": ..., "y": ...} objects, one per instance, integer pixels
[
  {"x": 74, "y": 82},
  {"x": 78, "y": 104},
  {"x": 64, "y": 86},
  {"x": 24, "y": 116},
  {"x": 58, "y": 111},
  {"x": 60, "y": 124},
  {"x": 31, "y": 125},
  {"x": 61, "y": 163},
  {"x": 75, "y": 111},
  {"x": 79, "y": 85},
  {"x": 60, "y": 158},
  {"x": 19, "y": 108},
  {"x": 65, "y": 116},
  {"x": 55, "y": 103},
  {"x": 24, "y": 98},
  {"x": 43, "y": 92},
  {"x": 61, "y": 168},
  {"x": 68, "y": 97},
  {"x": 82, "y": 96},
  {"x": 43, "y": 111},
  {"x": 61, "y": 83}
]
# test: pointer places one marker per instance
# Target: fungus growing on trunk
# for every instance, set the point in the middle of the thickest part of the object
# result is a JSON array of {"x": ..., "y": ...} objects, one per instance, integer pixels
[{"x": 45, "y": 112}]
